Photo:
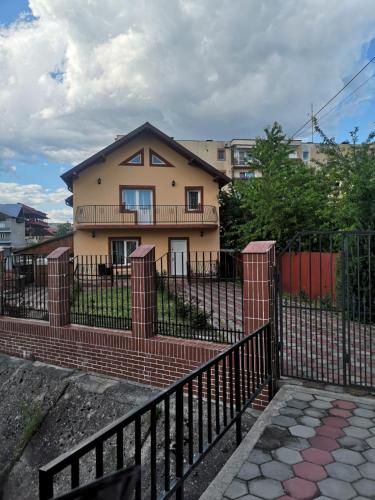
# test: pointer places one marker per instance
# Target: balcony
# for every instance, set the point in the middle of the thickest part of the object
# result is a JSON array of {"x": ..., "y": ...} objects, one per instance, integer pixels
[{"x": 145, "y": 216}]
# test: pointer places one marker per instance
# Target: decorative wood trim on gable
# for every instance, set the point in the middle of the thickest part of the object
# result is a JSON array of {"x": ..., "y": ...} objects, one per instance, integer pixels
[
  {"x": 165, "y": 163},
  {"x": 128, "y": 160}
]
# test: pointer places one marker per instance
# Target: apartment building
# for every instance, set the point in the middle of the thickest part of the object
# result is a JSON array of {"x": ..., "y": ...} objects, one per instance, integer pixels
[
  {"x": 21, "y": 225},
  {"x": 234, "y": 157}
]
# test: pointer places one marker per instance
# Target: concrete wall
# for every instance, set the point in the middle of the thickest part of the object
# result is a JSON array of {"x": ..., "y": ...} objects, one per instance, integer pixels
[{"x": 208, "y": 151}]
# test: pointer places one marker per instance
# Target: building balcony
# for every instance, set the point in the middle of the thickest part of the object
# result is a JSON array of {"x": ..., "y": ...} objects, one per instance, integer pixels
[{"x": 145, "y": 217}]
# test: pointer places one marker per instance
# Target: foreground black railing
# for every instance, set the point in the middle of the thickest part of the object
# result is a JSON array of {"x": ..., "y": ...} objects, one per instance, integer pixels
[
  {"x": 169, "y": 436},
  {"x": 145, "y": 214},
  {"x": 101, "y": 291},
  {"x": 200, "y": 295},
  {"x": 24, "y": 287}
]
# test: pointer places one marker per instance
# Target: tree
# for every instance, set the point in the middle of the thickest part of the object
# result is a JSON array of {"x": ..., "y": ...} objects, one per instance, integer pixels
[
  {"x": 353, "y": 169},
  {"x": 232, "y": 217},
  {"x": 289, "y": 197},
  {"x": 64, "y": 228}
]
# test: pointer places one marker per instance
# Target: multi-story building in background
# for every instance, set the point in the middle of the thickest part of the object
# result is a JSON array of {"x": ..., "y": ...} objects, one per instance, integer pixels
[
  {"x": 234, "y": 157},
  {"x": 21, "y": 225}
]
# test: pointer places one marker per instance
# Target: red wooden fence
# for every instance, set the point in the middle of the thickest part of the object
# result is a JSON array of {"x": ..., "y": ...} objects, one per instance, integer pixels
[{"x": 311, "y": 273}]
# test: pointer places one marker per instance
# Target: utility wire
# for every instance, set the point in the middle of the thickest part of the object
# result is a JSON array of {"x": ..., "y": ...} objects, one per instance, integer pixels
[
  {"x": 341, "y": 102},
  {"x": 334, "y": 97}
]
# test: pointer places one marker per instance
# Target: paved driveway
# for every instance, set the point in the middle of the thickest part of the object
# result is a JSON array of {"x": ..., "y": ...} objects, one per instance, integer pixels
[
  {"x": 313, "y": 338},
  {"x": 308, "y": 444}
]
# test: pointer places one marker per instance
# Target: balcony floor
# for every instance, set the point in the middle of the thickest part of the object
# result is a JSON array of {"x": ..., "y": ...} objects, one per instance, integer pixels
[{"x": 153, "y": 227}]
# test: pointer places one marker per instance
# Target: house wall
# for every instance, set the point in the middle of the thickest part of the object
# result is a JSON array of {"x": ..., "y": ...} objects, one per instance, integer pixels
[
  {"x": 85, "y": 244},
  {"x": 87, "y": 191}
]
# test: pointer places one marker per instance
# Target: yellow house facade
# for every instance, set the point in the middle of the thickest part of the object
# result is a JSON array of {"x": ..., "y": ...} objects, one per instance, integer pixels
[{"x": 145, "y": 188}]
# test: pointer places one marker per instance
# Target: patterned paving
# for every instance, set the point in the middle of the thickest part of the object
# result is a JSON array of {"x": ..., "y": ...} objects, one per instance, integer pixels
[
  {"x": 317, "y": 447},
  {"x": 313, "y": 337}
]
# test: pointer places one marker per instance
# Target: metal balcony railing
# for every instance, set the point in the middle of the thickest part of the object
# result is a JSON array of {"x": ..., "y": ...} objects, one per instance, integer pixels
[{"x": 145, "y": 215}]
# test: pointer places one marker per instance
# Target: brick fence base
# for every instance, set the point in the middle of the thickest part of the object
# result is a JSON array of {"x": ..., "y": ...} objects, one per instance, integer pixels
[{"x": 158, "y": 361}]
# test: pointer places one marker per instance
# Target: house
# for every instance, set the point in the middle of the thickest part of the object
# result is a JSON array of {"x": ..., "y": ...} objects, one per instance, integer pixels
[
  {"x": 21, "y": 225},
  {"x": 12, "y": 227},
  {"x": 145, "y": 188}
]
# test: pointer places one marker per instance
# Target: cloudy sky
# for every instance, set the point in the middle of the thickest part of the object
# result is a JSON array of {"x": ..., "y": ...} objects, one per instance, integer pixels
[{"x": 74, "y": 73}]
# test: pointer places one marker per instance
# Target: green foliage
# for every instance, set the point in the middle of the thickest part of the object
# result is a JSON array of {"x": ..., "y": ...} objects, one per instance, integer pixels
[
  {"x": 64, "y": 228},
  {"x": 32, "y": 416},
  {"x": 352, "y": 169},
  {"x": 232, "y": 216},
  {"x": 289, "y": 196}
]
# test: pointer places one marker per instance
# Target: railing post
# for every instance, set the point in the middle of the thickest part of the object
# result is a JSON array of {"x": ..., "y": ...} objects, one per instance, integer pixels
[
  {"x": 237, "y": 394},
  {"x": 45, "y": 485},
  {"x": 143, "y": 289},
  {"x": 179, "y": 441},
  {"x": 2, "y": 279},
  {"x": 58, "y": 286}
]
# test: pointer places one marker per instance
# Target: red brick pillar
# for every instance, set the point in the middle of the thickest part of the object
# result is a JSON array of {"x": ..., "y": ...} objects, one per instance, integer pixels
[
  {"x": 143, "y": 281},
  {"x": 258, "y": 260},
  {"x": 58, "y": 286}
]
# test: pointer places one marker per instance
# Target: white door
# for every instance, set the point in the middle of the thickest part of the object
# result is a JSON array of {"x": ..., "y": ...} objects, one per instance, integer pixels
[{"x": 178, "y": 257}]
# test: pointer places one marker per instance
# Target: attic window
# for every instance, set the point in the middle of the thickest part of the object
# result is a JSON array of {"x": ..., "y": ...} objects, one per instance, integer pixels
[
  {"x": 137, "y": 159},
  {"x": 157, "y": 160}
]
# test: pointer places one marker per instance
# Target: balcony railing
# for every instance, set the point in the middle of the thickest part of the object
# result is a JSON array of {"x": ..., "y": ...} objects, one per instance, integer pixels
[{"x": 145, "y": 215}]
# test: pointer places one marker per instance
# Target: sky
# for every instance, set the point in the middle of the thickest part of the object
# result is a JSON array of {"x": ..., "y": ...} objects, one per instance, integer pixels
[{"x": 75, "y": 73}]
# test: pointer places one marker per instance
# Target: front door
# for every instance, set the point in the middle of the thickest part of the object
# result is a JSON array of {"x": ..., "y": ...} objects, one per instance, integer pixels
[{"x": 178, "y": 256}]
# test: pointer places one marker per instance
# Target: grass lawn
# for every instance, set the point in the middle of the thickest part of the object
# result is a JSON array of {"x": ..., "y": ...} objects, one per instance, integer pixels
[{"x": 117, "y": 302}]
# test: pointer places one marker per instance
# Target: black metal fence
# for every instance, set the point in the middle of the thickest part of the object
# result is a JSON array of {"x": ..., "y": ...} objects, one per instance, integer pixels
[
  {"x": 170, "y": 435},
  {"x": 24, "y": 287},
  {"x": 101, "y": 291},
  {"x": 200, "y": 295},
  {"x": 326, "y": 307},
  {"x": 145, "y": 214}
]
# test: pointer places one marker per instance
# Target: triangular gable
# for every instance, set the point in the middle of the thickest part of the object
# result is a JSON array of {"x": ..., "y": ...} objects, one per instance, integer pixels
[
  {"x": 135, "y": 160},
  {"x": 146, "y": 128}
]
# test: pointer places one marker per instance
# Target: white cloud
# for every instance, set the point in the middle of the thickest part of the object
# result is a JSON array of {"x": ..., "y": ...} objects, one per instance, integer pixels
[
  {"x": 31, "y": 194},
  {"x": 60, "y": 215},
  {"x": 85, "y": 70}
]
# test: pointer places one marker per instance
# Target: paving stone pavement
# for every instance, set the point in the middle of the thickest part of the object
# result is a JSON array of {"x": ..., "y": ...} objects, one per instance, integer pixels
[{"x": 328, "y": 455}]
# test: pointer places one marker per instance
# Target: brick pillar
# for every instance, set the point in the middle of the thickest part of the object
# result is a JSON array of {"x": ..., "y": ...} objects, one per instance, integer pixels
[
  {"x": 2, "y": 278},
  {"x": 58, "y": 286},
  {"x": 258, "y": 260},
  {"x": 143, "y": 280}
]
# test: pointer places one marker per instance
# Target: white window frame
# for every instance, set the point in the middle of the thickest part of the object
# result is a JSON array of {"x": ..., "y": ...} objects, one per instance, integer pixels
[{"x": 126, "y": 262}]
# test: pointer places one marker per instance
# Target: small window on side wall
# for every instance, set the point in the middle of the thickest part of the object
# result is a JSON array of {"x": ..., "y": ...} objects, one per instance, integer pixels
[
  {"x": 221, "y": 154},
  {"x": 194, "y": 199},
  {"x": 136, "y": 159}
]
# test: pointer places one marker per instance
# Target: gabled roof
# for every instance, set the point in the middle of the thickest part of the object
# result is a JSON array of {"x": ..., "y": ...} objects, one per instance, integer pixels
[
  {"x": 193, "y": 159},
  {"x": 11, "y": 209}
]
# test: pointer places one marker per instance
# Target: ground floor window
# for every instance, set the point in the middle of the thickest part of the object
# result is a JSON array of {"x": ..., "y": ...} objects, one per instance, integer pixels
[{"x": 121, "y": 249}]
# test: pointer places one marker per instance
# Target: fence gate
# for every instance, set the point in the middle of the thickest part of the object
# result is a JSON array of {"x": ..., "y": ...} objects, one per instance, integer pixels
[{"x": 326, "y": 307}]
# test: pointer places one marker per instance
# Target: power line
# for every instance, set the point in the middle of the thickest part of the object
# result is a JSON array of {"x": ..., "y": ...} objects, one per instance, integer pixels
[
  {"x": 346, "y": 98},
  {"x": 334, "y": 97}
]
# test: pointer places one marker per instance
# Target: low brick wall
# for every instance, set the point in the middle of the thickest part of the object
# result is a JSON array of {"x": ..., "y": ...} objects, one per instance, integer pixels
[{"x": 158, "y": 361}]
